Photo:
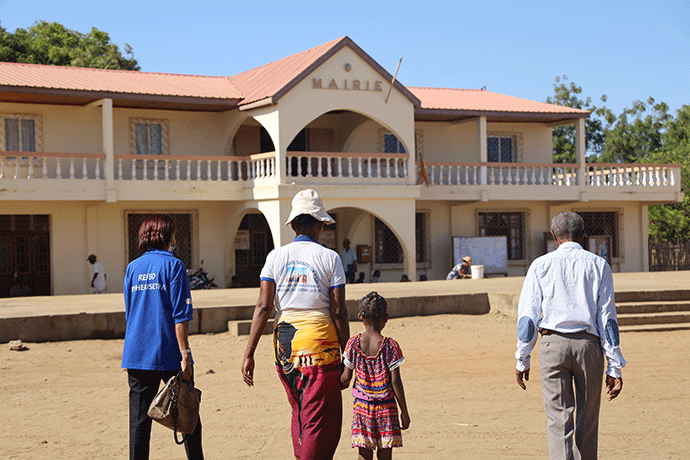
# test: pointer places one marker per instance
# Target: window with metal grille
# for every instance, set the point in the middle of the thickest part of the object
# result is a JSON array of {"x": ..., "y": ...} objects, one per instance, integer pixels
[
  {"x": 183, "y": 236},
  {"x": 421, "y": 236},
  {"x": 508, "y": 224},
  {"x": 602, "y": 223},
  {"x": 149, "y": 137},
  {"x": 20, "y": 133},
  {"x": 387, "y": 249},
  {"x": 391, "y": 144},
  {"x": 499, "y": 149}
]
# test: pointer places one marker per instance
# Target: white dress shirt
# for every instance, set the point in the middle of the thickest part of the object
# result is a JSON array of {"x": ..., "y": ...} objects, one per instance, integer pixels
[
  {"x": 569, "y": 290},
  {"x": 348, "y": 256}
]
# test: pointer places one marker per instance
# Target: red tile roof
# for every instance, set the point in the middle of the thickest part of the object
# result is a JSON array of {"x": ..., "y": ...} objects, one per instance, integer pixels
[
  {"x": 265, "y": 84},
  {"x": 115, "y": 81},
  {"x": 267, "y": 80},
  {"x": 484, "y": 101}
]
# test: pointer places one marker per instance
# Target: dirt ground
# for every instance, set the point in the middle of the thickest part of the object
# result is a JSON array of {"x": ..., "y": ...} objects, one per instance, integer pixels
[{"x": 69, "y": 399}]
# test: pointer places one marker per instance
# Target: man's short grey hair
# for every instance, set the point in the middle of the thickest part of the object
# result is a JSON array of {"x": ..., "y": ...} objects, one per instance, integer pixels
[{"x": 568, "y": 226}]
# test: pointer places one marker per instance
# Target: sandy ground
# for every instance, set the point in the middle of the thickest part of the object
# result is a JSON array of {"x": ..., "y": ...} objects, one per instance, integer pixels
[{"x": 69, "y": 399}]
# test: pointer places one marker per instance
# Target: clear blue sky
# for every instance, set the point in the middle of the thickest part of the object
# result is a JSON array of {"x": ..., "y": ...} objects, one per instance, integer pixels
[{"x": 625, "y": 49}]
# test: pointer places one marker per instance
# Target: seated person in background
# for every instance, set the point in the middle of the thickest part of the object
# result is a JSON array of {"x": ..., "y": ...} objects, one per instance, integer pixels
[
  {"x": 20, "y": 288},
  {"x": 405, "y": 279},
  {"x": 423, "y": 278},
  {"x": 461, "y": 270},
  {"x": 376, "y": 277},
  {"x": 361, "y": 278}
]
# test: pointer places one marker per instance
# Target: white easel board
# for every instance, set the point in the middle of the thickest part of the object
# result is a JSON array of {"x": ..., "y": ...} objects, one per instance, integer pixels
[{"x": 490, "y": 251}]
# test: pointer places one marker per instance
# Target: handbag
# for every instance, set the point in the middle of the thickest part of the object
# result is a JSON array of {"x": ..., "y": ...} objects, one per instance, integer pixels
[{"x": 177, "y": 406}]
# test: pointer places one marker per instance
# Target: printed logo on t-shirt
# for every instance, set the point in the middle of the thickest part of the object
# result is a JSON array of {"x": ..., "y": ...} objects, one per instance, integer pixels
[
  {"x": 147, "y": 284},
  {"x": 297, "y": 278}
]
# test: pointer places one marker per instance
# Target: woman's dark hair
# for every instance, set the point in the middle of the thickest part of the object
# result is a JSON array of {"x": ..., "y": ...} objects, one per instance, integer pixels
[
  {"x": 156, "y": 232},
  {"x": 373, "y": 306}
]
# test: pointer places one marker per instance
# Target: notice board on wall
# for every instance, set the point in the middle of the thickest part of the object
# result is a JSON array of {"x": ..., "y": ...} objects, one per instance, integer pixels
[{"x": 490, "y": 251}]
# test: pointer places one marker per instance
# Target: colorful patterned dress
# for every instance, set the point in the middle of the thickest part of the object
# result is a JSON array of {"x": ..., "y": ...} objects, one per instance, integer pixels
[{"x": 375, "y": 421}]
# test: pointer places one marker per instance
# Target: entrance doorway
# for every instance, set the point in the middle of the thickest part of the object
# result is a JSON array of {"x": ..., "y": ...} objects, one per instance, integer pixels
[
  {"x": 252, "y": 244},
  {"x": 24, "y": 255}
]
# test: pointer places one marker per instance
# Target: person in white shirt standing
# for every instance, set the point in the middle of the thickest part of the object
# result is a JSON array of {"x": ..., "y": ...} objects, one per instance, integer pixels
[
  {"x": 99, "y": 276},
  {"x": 349, "y": 258},
  {"x": 567, "y": 298}
]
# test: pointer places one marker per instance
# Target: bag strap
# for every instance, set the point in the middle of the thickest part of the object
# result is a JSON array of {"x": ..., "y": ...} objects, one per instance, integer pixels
[{"x": 175, "y": 412}]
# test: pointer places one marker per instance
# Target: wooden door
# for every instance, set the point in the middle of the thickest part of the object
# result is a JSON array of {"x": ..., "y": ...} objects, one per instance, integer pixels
[
  {"x": 25, "y": 254},
  {"x": 250, "y": 258}
]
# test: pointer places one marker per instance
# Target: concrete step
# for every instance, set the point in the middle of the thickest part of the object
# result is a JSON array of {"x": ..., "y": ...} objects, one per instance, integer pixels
[
  {"x": 652, "y": 307},
  {"x": 653, "y": 296},
  {"x": 239, "y": 328},
  {"x": 653, "y": 318},
  {"x": 656, "y": 327}
]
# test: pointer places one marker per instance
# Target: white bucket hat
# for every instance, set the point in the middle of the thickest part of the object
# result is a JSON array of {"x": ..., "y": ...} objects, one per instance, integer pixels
[{"x": 309, "y": 202}]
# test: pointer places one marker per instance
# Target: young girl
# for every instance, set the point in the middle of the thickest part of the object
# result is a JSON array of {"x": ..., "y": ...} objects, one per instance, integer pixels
[{"x": 375, "y": 360}]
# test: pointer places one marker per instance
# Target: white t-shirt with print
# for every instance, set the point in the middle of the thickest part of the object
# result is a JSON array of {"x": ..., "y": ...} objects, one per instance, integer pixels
[{"x": 303, "y": 272}]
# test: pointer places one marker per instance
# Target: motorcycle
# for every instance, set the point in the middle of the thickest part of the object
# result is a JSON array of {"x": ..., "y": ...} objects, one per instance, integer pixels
[{"x": 200, "y": 280}]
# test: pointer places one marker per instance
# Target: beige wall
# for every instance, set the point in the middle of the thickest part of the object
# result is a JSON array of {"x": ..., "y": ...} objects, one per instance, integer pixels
[{"x": 79, "y": 229}]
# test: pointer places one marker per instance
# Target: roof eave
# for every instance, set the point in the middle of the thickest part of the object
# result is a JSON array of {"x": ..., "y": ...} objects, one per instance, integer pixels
[
  {"x": 456, "y": 115},
  {"x": 226, "y": 103}
]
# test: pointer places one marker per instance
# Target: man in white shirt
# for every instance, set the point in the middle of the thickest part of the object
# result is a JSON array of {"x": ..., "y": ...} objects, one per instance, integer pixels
[
  {"x": 99, "y": 276},
  {"x": 567, "y": 298},
  {"x": 349, "y": 258}
]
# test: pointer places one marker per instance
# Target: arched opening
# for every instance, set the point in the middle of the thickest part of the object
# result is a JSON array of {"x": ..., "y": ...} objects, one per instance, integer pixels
[
  {"x": 251, "y": 137},
  {"x": 253, "y": 242},
  {"x": 342, "y": 131}
]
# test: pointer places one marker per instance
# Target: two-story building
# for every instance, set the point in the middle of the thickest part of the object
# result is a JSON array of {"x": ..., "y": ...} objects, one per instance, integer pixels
[{"x": 87, "y": 153}]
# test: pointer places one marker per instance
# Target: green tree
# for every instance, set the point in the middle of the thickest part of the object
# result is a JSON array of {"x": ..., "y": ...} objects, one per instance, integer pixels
[
  {"x": 568, "y": 94},
  {"x": 53, "y": 44},
  {"x": 671, "y": 222},
  {"x": 636, "y": 134}
]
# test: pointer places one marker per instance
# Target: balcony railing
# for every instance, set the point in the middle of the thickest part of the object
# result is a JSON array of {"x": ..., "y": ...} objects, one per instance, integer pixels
[
  {"x": 331, "y": 167},
  {"x": 41, "y": 165},
  {"x": 195, "y": 168},
  {"x": 559, "y": 174},
  {"x": 339, "y": 165}
]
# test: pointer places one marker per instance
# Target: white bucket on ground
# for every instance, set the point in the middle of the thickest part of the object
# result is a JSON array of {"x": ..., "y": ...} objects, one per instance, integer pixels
[{"x": 477, "y": 271}]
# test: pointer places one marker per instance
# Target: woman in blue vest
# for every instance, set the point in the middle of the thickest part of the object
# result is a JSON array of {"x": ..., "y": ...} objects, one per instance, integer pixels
[{"x": 158, "y": 308}]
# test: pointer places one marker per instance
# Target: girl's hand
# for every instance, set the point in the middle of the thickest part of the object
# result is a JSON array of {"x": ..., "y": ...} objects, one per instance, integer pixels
[{"x": 404, "y": 420}]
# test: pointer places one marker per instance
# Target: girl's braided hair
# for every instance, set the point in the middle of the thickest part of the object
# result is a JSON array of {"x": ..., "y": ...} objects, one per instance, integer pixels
[{"x": 373, "y": 306}]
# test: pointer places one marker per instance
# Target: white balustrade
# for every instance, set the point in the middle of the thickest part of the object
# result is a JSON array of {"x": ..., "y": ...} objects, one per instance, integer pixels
[{"x": 339, "y": 168}]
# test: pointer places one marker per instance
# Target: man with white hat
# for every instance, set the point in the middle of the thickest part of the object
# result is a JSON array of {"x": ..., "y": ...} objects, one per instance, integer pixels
[
  {"x": 461, "y": 270},
  {"x": 305, "y": 282}
]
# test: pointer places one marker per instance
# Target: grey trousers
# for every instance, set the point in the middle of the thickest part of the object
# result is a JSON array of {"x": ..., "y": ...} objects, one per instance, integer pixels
[{"x": 572, "y": 414}]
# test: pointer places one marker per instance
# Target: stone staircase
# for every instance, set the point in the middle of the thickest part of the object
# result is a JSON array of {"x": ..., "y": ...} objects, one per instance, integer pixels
[{"x": 653, "y": 310}]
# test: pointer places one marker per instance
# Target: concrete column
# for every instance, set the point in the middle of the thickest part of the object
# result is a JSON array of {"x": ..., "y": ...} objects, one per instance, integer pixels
[
  {"x": 270, "y": 119},
  {"x": 482, "y": 154},
  {"x": 644, "y": 236},
  {"x": 580, "y": 148},
  {"x": 91, "y": 238},
  {"x": 277, "y": 212}
]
